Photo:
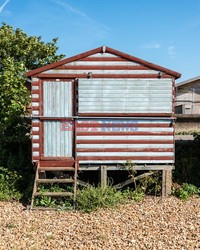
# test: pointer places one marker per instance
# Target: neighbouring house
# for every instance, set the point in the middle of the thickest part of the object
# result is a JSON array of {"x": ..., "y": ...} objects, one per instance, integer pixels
[{"x": 188, "y": 96}]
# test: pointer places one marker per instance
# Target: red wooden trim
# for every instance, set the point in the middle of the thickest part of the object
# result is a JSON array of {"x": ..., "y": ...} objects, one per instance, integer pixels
[
  {"x": 74, "y": 139},
  {"x": 40, "y": 97},
  {"x": 124, "y": 142},
  {"x": 35, "y": 100},
  {"x": 124, "y": 150},
  {"x": 104, "y": 67},
  {"x": 35, "y": 108},
  {"x": 154, "y": 76},
  {"x": 41, "y": 138},
  {"x": 103, "y": 59},
  {"x": 55, "y": 118},
  {"x": 99, "y": 158},
  {"x": 173, "y": 95},
  {"x": 64, "y": 61},
  {"x": 35, "y": 83},
  {"x": 35, "y": 140},
  {"x": 41, "y": 123},
  {"x": 54, "y": 158},
  {"x": 122, "y": 133},
  {"x": 35, "y": 91},
  {"x": 35, "y": 158},
  {"x": 73, "y": 134},
  {"x": 57, "y": 163},
  {"x": 146, "y": 63},
  {"x": 123, "y": 125},
  {"x": 99, "y": 50},
  {"x": 35, "y": 132},
  {"x": 67, "y": 80},
  {"x": 36, "y": 149},
  {"x": 174, "y": 139},
  {"x": 126, "y": 114}
]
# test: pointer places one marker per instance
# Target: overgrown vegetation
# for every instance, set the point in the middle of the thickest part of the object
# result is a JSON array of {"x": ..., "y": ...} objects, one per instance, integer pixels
[
  {"x": 91, "y": 198},
  {"x": 18, "y": 54},
  {"x": 9, "y": 182},
  {"x": 186, "y": 191}
]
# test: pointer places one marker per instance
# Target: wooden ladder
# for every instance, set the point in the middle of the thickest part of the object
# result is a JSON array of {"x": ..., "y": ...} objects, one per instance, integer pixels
[{"x": 39, "y": 181}]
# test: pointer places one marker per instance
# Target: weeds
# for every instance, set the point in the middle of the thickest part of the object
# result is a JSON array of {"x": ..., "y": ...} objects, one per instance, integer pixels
[
  {"x": 186, "y": 191},
  {"x": 8, "y": 185},
  {"x": 92, "y": 198}
]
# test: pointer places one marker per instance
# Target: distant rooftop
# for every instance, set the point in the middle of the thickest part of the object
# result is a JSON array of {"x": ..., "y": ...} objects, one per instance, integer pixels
[{"x": 188, "y": 81}]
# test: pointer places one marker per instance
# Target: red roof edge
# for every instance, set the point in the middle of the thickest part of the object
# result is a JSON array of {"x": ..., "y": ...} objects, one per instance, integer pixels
[
  {"x": 145, "y": 63},
  {"x": 64, "y": 61},
  {"x": 99, "y": 50}
]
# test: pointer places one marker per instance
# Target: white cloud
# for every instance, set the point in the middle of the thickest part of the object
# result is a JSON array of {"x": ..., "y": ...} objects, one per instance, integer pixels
[
  {"x": 71, "y": 8},
  {"x": 171, "y": 51},
  {"x": 98, "y": 29},
  {"x": 151, "y": 45},
  {"x": 4, "y": 5}
]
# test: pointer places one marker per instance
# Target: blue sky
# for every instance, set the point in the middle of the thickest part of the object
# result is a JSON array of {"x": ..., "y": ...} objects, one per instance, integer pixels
[{"x": 163, "y": 32}]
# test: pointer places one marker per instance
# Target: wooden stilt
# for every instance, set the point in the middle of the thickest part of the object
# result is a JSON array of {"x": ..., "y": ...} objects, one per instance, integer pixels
[
  {"x": 103, "y": 176},
  {"x": 166, "y": 182},
  {"x": 75, "y": 182}
]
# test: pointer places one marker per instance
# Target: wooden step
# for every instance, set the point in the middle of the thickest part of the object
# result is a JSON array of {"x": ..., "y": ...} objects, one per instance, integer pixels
[
  {"x": 46, "y": 181},
  {"x": 56, "y": 169},
  {"x": 45, "y": 208},
  {"x": 54, "y": 194}
]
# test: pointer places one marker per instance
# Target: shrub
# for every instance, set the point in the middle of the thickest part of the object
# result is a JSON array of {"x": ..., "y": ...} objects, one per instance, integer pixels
[
  {"x": 9, "y": 182},
  {"x": 92, "y": 198},
  {"x": 186, "y": 191}
]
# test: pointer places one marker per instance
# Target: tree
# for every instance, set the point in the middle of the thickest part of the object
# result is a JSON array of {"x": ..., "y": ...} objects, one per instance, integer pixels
[{"x": 18, "y": 54}]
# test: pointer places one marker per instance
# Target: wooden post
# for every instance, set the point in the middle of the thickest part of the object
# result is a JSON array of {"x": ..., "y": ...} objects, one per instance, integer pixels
[
  {"x": 166, "y": 182},
  {"x": 103, "y": 176}
]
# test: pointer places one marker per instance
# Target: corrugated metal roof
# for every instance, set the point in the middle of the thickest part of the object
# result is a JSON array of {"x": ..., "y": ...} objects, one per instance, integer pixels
[{"x": 188, "y": 81}]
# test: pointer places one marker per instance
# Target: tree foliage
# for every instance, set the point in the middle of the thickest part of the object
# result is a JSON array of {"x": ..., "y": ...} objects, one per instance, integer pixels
[{"x": 19, "y": 53}]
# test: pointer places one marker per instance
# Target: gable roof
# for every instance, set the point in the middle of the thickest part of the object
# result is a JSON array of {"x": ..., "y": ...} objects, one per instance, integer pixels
[
  {"x": 104, "y": 49},
  {"x": 188, "y": 81}
]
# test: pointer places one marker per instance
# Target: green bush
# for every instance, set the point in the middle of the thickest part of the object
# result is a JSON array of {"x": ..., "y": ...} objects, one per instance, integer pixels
[
  {"x": 92, "y": 198},
  {"x": 186, "y": 191},
  {"x": 9, "y": 181}
]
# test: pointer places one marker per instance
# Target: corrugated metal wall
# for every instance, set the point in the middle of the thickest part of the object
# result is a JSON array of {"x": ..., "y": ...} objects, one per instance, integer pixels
[
  {"x": 116, "y": 141},
  {"x": 125, "y": 96},
  {"x": 117, "y": 85},
  {"x": 57, "y": 99},
  {"x": 57, "y": 102}
]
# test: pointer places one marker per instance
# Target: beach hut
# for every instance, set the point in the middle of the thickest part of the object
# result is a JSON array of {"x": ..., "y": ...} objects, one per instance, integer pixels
[{"x": 100, "y": 109}]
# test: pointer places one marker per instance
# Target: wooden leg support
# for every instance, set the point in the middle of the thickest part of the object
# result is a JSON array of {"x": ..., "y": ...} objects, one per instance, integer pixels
[
  {"x": 103, "y": 176},
  {"x": 166, "y": 182}
]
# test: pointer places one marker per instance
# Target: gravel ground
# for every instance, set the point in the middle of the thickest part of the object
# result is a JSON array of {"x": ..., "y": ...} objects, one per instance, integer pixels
[{"x": 153, "y": 224}]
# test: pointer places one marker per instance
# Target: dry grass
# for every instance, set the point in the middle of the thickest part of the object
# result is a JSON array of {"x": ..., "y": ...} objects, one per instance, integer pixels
[{"x": 153, "y": 224}]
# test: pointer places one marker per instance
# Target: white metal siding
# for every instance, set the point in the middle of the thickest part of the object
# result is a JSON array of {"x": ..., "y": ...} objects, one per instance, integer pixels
[
  {"x": 94, "y": 141},
  {"x": 57, "y": 143},
  {"x": 57, "y": 101},
  {"x": 125, "y": 96}
]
